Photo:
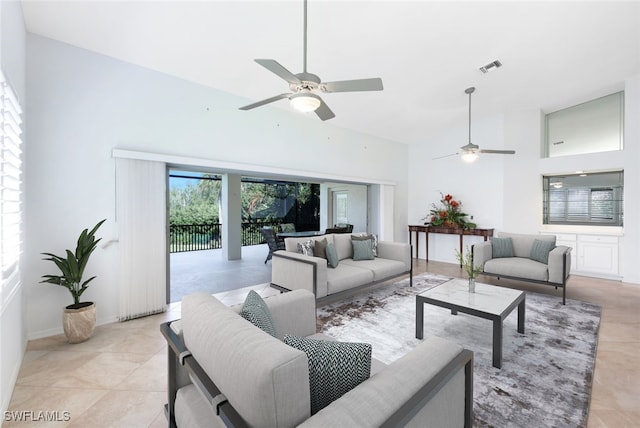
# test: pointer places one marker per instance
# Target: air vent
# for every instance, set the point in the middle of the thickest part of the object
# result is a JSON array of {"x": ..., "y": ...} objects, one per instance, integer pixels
[{"x": 494, "y": 64}]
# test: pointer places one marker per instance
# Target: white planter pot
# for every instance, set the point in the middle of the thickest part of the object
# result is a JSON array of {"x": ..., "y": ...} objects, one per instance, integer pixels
[{"x": 79, "y": 323}]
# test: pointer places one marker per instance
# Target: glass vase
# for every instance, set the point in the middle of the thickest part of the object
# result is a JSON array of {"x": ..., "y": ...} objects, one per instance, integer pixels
[{"x": 472, "y": 285}]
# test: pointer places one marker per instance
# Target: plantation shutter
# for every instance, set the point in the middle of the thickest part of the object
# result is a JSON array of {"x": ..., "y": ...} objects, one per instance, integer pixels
[{"x": 10, "y": 183}]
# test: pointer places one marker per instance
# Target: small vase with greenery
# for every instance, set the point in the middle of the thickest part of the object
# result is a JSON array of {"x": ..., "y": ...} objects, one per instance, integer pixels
[
  {"x": 72, "y": 266},
  {"x": 466, "y": 260}
]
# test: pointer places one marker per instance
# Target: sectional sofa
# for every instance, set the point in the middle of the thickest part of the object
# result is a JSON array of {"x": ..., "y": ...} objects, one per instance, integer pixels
[{"x": 225, "y": 371}]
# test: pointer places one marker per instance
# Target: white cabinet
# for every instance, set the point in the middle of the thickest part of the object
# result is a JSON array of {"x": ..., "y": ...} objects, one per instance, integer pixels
[
  {"x": 591, "y": 255},
  {"x": 598, "y": 254}
]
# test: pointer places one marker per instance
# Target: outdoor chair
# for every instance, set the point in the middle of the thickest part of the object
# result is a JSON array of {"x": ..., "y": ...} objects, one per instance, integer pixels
[
  {"x": 287, "y": 227},
  {"x": 347, "y": 226},
  {"x": 273, "y": 241},
  {"x": 337, "y": 230}
]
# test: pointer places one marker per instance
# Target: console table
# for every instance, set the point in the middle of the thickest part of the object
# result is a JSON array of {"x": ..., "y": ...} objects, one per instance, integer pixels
[{"x": 486, "y": 233}]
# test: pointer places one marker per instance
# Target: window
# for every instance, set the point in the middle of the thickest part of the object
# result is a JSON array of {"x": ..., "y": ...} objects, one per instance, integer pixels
[
  {"x": 580, "y": 199},
  {"x": 10, "y": 172},
  {"x": 591, "y": 127}
]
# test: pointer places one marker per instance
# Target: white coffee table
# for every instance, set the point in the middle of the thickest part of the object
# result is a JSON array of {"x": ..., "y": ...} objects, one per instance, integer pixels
[{"x": 489, "y": 302}]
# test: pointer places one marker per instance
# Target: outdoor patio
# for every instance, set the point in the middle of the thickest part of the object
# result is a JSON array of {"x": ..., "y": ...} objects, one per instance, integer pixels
[{"x": 207, "y": 271}]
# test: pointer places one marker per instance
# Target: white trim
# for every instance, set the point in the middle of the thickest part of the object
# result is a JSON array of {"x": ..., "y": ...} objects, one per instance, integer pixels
[{"x": 242, "y": 168}]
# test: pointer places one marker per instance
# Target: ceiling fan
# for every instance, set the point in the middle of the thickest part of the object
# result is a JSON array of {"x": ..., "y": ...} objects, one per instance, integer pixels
[
  {"x": 306, "y": 86},
  {"x": 469, "y": 152}
]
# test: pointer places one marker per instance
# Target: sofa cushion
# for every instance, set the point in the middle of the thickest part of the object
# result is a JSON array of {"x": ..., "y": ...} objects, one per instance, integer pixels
[
  {"x": 365, "y": 236},
  {"x": 540, "y": 250},
  {"x": 362, "y": 249},
  {"x": 332, "y": 256},
  {"x": 334, "y": 367},
  {"x": 381, "y": 268},
  {"x": 517, "y": 267},
  {"x": 342, "y": 241},
  {"x": 272, "y": 390},
  {"x": 346, "y": 276},
  {"x": 501, "y": 247},
  {"x": 291, "y": 244},
  {"x": 255, "y": 311},
  {"x": 320, "y": 248},
  {"x": 306, "y": 247},
  {"x": 522, "y": 243}
]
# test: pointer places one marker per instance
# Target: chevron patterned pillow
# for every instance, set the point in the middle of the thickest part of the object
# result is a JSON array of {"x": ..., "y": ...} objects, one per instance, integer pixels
[
  {"x": 255, "y": 310},
  {"x": 335, "y": 368}
]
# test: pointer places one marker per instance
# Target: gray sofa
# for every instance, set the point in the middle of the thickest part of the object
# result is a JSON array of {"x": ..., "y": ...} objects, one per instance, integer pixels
[
  {"x": 292, "y": 271},
  {"x": 224, "y": 371},
  {"x": 521, "y": 266}
]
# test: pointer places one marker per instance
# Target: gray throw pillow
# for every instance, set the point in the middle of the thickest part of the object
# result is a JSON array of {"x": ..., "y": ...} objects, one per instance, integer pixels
[
  {"x": 501, "y": 247},
  {"x": 320, "y": 248},
  {"x": 255, "y": 310},
  {"x": 362, "y": 250},
  {"x": 364, "y": 237},
  {"x": 332, "y": 256},
  {"x": 335, "y": 368},
  {"x": 306, "y": 247},
  {"x": 540, "y": 250}
]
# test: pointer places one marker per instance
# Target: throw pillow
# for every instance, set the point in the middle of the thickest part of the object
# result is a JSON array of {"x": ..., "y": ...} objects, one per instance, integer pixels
[
  {"x": 540, "y": 250},
  {"x": 501, "y": 247},
  {"x": 362, "y": 250},
  {"x": 335, "y": 368},
  {"x": 255, "y": 310},
  {"x": 306, "y": 247},
  {"x": 365, "y": 236},
  {"x": 332, "y": 256},
  {"x": 320, "y": 248}
]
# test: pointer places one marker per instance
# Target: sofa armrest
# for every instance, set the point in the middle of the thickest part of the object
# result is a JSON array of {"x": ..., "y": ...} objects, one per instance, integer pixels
[
  {"x": 482, "y": 252},
  {"x": 293, "y": 313},
  {"x": 430, "y": 386},
  {"x": 395, "y": 251},
  {"x": 293, "y": 271},
  {"x": 559, "y": 264}
]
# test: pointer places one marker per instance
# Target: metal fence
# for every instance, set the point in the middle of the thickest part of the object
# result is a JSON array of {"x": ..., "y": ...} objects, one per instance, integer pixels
[{"x": 196, "y": 237}]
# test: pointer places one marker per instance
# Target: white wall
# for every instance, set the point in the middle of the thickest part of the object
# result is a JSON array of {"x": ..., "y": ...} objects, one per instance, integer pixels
[
  {"x": 82, "y": 105},
  {"x": 477, "y": 185},
  {"x": 357, "y": 205},
  {"x": 12, "y": 315},
  {"x": 504, "y": 192}
]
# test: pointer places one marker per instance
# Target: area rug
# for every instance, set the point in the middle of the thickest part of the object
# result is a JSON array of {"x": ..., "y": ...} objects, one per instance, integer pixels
[{"x": 546, "y": 374}]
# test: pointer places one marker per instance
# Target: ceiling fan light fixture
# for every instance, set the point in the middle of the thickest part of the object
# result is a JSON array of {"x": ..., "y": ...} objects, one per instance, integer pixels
[
  {"x": 305, "y": 101},
  {"x": 469, "y": 157}
]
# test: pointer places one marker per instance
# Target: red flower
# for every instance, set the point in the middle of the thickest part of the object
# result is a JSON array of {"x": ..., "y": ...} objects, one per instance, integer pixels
[
  {"x": 454, "y": 204},
  {"x": 443, "y": 214},
  {"x": 448, "y": 198}
]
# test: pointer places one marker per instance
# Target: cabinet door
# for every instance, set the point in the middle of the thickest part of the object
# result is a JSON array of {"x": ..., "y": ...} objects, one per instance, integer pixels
[{"x": 598, "y": 255}]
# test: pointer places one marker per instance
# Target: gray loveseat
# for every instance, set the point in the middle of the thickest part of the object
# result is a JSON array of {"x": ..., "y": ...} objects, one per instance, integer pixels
[
  {"x": 292, "y": 271},
  {"x": 551, "y": 270},
  {"x": 224, "y": 371}
]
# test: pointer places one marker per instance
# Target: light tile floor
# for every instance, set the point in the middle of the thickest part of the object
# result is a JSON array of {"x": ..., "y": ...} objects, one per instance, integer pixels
[{"x": 118, "y": 377}]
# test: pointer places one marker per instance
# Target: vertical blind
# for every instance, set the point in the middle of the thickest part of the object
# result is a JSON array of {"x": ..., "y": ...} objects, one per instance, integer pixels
[
  {"x": 10, "y": 183},
  {"x": 141, "y": 217}
]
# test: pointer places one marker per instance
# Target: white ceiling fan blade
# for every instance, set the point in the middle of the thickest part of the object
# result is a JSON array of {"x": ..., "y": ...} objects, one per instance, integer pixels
[
  {"x": 500, "y": 152},
  {"x": 276, "y": 68},
  {"x": 267, "y": 101},
  {"x": 324, "y": 112},
  {"x": 374, "y": 84}
]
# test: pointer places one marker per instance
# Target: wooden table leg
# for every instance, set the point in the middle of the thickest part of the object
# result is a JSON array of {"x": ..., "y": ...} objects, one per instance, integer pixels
[{"x": 461, "y": 248}]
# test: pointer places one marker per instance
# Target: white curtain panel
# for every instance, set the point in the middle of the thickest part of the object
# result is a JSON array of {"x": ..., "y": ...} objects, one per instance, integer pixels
[{"x": 141, "y": 218}]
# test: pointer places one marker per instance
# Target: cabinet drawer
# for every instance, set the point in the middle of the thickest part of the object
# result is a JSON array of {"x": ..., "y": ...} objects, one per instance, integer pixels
[
  {"x": 601, "y": 239},
  {"x": 565, "y": 237}
]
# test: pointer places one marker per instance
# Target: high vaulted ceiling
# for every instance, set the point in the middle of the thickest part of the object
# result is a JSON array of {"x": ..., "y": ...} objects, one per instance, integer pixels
[{"x": 554, "y": 54}]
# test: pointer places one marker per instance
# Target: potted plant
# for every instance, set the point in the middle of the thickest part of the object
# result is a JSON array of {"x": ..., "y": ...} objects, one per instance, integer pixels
[
  {"x": 466, "y": 260},
  {"x": 78, "y": 319}
]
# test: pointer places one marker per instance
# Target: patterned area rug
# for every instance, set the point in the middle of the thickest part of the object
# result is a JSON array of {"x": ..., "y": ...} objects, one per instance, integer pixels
[{"x": 546, "y": 374}]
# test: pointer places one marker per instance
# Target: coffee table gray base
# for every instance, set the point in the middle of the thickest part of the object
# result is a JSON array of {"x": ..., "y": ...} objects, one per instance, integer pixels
[{"x": 496, "y": 315}]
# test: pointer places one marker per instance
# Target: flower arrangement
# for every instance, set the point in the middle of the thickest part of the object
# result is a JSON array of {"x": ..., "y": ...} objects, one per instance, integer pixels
[{"x": 449, "y": 214}]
